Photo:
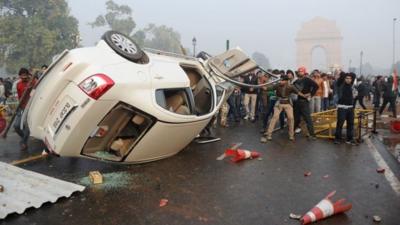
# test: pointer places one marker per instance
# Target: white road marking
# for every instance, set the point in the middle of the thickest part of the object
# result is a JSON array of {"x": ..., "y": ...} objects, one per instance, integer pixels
[{"x": 389, "y": 175}]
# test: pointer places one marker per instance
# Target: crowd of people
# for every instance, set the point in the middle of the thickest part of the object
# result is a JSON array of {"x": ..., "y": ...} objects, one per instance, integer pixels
[{"x": 299, "y": 94}]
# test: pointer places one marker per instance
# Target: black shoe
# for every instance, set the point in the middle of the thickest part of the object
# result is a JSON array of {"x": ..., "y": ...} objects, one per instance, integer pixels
[{"x": 336, "y": 141}]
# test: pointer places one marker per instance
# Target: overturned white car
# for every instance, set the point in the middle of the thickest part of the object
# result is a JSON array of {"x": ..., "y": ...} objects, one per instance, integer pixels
[{"x": 119, "y": 103}]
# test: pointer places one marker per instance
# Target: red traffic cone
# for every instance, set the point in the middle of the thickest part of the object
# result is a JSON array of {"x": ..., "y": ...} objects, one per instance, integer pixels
[
  {"x": 395, "y": 126},
  {"x": 241, "y": 154},
  {"x": 325, "y": 208}
]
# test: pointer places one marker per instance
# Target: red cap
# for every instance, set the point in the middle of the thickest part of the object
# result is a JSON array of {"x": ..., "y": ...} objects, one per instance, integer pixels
[{"x": 302, "y": 69}]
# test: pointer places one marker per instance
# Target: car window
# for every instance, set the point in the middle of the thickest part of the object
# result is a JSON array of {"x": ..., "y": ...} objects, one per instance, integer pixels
[
  {"x": 200, "y": 89},
  {"x": 116, "y": 135},
  {"x": 174, "y": 100}
]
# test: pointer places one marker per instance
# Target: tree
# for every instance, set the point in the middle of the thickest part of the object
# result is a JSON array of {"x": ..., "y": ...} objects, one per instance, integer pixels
[
  {"x": 32, "y": 32},
  {"x": 118, "y": 18},
  {"x": 163, "y": 38},
  {"x": 261, "y": 60}
]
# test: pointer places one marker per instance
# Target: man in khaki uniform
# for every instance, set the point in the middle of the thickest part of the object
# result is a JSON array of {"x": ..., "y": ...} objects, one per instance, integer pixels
[
  {"x": 224, "y": 114},
  {"x": 283, "y": 91}
]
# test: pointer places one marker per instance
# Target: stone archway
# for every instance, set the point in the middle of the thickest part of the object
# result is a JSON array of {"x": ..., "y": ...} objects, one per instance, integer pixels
[
  {"x": 323, "y": 33},
  {"x": 319, "y": 58}
]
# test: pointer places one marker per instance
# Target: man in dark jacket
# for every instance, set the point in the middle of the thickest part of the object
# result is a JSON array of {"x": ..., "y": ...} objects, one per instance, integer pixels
[
  {"x": 308, "y": 88},
  {"x": 389, "y": 96},
  {"x": 362, "y": 92},
  {"x": 377, "y": 90},
  {"x": 345, "y": 108}
]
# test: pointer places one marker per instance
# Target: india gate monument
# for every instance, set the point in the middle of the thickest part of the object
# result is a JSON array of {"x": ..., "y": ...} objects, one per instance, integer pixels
[{"x": 319, "y": 33}]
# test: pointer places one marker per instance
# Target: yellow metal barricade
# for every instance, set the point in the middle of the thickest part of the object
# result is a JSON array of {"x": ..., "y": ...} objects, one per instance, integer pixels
[{"x": 325, "y": 123}]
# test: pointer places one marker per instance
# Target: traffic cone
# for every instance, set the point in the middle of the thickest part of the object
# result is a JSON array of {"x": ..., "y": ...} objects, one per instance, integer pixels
[
  {"x": 241, "y": 154},
  {"x": 325, "y": 208},
  {"x": 395, "y": 126}
]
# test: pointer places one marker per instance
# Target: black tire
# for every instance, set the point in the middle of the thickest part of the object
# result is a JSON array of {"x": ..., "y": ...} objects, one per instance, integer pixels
[{"x": 123, "y": 45}]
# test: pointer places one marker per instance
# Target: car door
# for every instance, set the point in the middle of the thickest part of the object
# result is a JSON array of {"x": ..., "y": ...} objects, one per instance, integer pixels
[{"x": 232, "y": 63}]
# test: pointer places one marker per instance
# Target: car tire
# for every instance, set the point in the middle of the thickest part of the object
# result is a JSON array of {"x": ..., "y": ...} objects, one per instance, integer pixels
[{"x": 123, "y": 45}]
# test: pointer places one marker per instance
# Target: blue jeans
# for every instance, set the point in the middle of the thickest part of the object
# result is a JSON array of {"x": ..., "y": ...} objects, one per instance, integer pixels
[
  {"x": 24, "y": 132},
  {"x": 325, "y": 104},
  {"x": 234, "y": 106}
]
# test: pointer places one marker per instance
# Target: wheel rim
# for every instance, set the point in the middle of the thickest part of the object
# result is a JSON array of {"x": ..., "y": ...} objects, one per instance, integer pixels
[{"x": 124, "y": 44}]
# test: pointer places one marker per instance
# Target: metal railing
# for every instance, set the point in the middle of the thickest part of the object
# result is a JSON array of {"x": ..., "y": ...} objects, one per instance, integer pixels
[{"x": 325, "y": 123}]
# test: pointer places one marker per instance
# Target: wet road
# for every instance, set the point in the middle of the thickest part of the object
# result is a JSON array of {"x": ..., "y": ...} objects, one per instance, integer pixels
[{"x": 203, "y": 190}]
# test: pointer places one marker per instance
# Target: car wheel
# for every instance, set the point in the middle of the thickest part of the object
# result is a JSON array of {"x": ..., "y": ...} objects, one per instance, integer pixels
[{"x": 123, "y": 45}]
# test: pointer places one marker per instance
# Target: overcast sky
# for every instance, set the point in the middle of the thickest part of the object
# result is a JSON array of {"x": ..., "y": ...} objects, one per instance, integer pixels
[{"x": 266, "y": 26}]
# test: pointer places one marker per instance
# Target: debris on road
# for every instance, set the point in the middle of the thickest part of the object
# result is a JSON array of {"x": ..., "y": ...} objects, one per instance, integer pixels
[
  {"x": 95, "y": 177},
  {"x": 1, "y": 188},
  {"x": 295, "y": 216},
  {"x": 112, "y": 180},
  {"x": 29, "y": 159},
  {"x": 307, "y": 174},
  {"x": 26, "y": 189},
  {"x": 377, "y": 219},
  {"x": 325, "y": 208},
  {"x": 163, "y": 202},
  {"x": 380, "y": 170},
  {"x": 206, "y": 140},
  {"x": 326, "y": 176}
]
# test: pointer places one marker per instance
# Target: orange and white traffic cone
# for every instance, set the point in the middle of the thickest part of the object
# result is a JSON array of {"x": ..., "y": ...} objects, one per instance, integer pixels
[
  {"x": 241, "y": 154},
  {"x": 325, "y": 208}
]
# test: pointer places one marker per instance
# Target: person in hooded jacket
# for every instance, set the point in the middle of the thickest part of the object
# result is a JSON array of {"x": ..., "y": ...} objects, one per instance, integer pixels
[{"x": 345, "y": 107}]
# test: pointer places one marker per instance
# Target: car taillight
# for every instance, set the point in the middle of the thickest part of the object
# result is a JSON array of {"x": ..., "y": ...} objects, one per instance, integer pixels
[{"x": 97, "y": 85}]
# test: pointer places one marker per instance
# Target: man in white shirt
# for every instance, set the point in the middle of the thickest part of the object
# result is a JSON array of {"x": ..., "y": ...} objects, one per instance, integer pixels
[{"x": 327, "y": 91}]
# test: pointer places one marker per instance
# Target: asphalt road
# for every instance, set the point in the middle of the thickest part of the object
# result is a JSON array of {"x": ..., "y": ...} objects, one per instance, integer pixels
[{"x": 203, "y": 190}]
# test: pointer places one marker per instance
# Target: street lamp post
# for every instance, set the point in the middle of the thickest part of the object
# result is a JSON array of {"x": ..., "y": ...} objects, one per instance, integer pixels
[
  {"x": 394, "y": 35},
  {"x": 361, "y": 55},
  {"x": 349, "y": 65},
  {"x": 194, "y": 41}
]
